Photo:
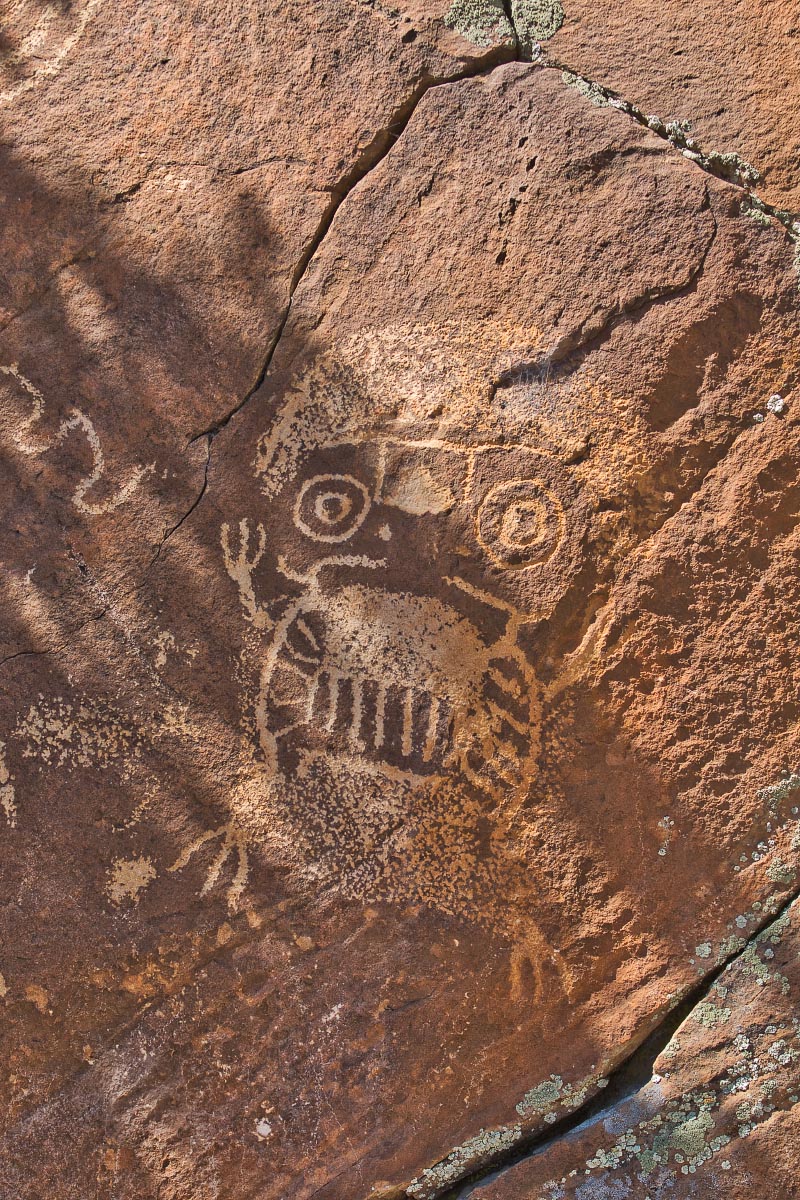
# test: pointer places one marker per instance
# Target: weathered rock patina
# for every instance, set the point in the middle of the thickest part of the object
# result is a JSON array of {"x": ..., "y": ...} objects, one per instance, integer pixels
[{"x": 398, "y": 719}]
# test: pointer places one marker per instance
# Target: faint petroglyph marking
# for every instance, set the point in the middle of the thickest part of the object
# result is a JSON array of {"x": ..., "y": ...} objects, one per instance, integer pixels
[
  {"x": 165, "y": 642},
  {"x": 24, "y": 438},
  {"x": 234, "y": 844},
  {"x": 437, "y": 376},
  {"x": 128, "y": 878},
  {"x": 8, "y": 801},
  {"x": 59, "y": 733},
  {"x": 397, "y": 709},
  {"x": 38, "y": 996},
  {"x": 47, "y": 34}
]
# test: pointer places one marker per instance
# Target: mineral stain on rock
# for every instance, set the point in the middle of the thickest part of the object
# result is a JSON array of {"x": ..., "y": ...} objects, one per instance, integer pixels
[{"x": 399, "y": 770}]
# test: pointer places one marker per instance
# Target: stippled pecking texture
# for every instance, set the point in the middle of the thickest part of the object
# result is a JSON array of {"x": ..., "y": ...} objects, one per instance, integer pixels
[{"x": 398, "y": 711}]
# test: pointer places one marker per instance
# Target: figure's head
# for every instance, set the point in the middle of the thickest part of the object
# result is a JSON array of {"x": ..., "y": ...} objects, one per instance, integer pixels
[{"x": 389, "y": 457}]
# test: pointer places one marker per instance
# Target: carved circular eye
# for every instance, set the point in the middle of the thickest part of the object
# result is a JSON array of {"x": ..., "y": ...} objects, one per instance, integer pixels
[
  {"x": 330, "y": 508},
  {"x": 520, "y": 523}
]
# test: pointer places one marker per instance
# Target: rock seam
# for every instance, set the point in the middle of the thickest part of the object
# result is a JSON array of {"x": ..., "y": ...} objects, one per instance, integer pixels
[{"x": 638, "y": 1065}]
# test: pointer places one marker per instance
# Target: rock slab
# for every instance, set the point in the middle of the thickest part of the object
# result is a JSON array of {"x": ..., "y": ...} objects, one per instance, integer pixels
[{"x": 398, "y": 721}]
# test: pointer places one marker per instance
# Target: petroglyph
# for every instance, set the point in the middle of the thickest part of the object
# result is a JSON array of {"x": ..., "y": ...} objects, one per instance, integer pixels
[
  {"x": 21, "y": 432},
  {"x": 45, "y": 35},
  {"x": 128, "y": 878},
  {"x": 233, "y": 844},
  {"x": 8, "y": 801},
  {"x": 401, "y": 682},
  {"x": 240, "y": 568},
  {"x": 61, "y": 733},
  {"x": 393, "y": 573}
]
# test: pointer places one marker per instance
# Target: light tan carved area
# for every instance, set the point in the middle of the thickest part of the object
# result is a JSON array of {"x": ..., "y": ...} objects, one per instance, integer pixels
[
  {"x": 44, "y": 35},
  {"x": 399, "y": 723},
  {"x": 22, "y": 421}
]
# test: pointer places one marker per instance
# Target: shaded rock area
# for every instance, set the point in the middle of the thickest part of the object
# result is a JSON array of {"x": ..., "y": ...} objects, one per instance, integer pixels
[{"x": 399, "y": 764}]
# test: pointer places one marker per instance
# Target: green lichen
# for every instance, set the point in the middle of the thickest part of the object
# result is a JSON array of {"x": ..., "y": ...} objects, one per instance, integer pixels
[
  {"x": 689, "y": 1136},
  {"x": 541, "y": 1097},
  {"x": 480, "y": 1149},
  {"x": 554, "y": 1093},
  {"x": 757, "y": 214},
  {"x": 774, "y": 793},
  {"x": 535, "y": 21},
  {"x": 482, "y": 22},
  {"x": 753, "y": 966},
  {"x": 729, "y": 947},
  {"x": 711, "y": 1015},
  {"x": 781, "y": 873},
  {"x": 732, "y": 166},
  {"x": 775, "y": 931},
  {"x": 586, "y": 88},
  {"x": 672, "y": 1048}
]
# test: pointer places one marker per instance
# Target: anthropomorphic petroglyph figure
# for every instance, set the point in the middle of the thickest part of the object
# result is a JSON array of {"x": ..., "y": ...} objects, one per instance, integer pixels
[{"x": 394, "y": 575}]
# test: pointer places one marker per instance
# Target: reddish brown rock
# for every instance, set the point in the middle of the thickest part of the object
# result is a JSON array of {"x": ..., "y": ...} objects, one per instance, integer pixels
[
  {"x": 165, "y": 175},
  {"x": 447, "y": 740},
  {"x": 728, "y": 70},
  {"x": 719, "y": 1114}
]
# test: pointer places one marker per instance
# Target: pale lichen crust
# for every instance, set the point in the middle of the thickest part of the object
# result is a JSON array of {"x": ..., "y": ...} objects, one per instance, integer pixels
[
  {"x": 535, "y": 21},
  {"x": 482, "y": 22}
]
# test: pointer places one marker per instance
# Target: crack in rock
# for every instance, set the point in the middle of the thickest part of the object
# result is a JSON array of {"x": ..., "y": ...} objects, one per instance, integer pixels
[
  {"x": 174, "y": 529},
  {"x": 577, "y": 344},
  {"x": 490, "y": 1153},
  {"x": 725, "y": 165},
  {"x": 369, "y": 159}
]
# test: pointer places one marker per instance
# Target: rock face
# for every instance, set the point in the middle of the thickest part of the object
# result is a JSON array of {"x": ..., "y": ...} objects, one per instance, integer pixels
[
  {"x": 726, "y": 70},
  {"x": 719, "y": 1113},
  {"x": 398, "y": 724}
]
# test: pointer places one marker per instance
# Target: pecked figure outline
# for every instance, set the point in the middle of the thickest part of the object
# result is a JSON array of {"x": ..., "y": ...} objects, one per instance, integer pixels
[
  {"x": 413, "y": 796},
  {"x": 518, "y": 524}
]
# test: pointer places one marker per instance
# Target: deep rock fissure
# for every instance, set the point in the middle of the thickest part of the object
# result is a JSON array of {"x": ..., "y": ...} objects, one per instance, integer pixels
[
  {"x": 630, "y": 1075},
  {"x": 510, "y": 18}
]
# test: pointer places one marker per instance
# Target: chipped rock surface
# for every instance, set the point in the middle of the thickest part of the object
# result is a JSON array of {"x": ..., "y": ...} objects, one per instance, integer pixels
[{"x": 398, "y": 707}]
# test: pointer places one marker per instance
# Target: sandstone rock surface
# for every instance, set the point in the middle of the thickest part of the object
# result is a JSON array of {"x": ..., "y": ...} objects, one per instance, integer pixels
[
  {"x": 398, "y": 703},
  {"x": 719, "y": 1114},
  {"x": 727, "y": 70}
]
